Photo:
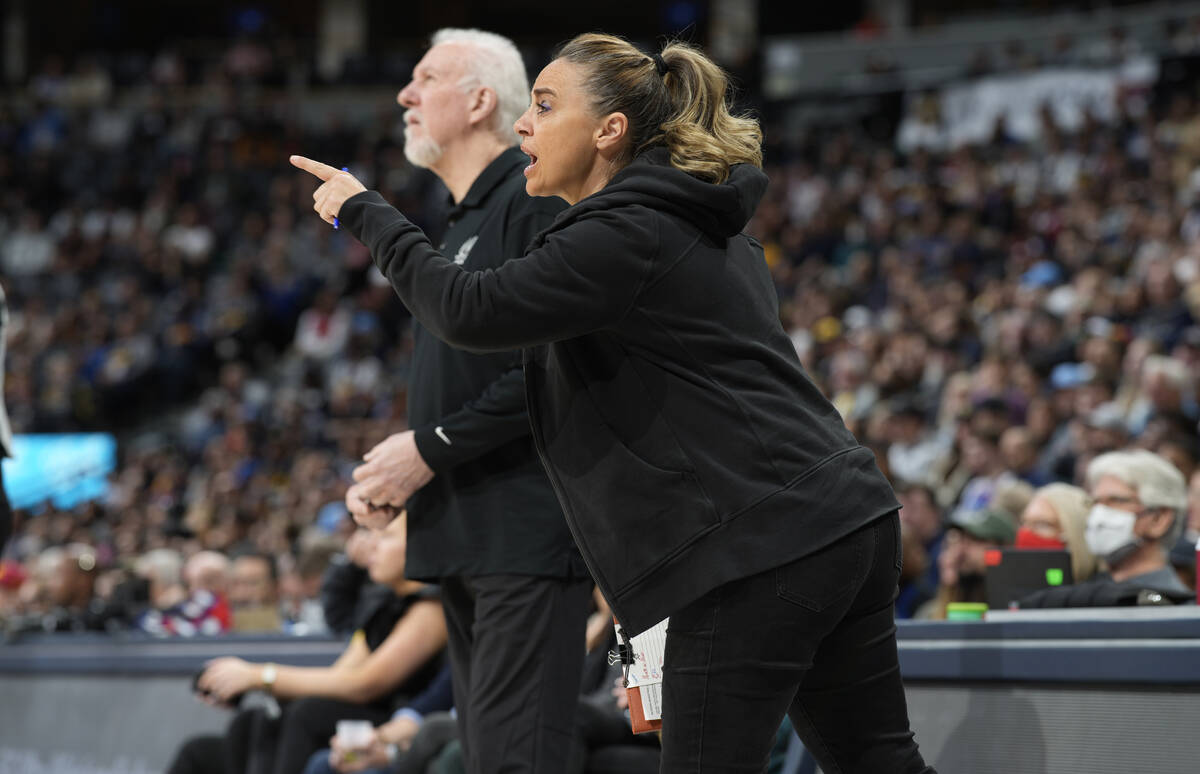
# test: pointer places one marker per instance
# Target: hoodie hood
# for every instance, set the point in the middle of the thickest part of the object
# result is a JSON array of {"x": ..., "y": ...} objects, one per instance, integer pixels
[{"x": 720, "y": 211}]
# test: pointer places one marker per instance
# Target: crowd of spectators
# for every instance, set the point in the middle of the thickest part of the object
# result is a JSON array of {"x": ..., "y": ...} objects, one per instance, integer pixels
[
  {"x": 166, "y": 285},
  {"x": 993, "y": 321},
  {"x": 1001, "y": 313},
  {"x": 982, "y": 316}
]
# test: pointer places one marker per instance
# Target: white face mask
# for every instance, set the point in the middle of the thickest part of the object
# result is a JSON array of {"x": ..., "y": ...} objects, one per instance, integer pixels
[{"x": 1110, "y": 533}]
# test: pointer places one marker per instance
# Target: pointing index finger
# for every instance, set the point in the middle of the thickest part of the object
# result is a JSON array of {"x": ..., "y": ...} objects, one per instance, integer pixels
[{"x": 323, "y": 171}]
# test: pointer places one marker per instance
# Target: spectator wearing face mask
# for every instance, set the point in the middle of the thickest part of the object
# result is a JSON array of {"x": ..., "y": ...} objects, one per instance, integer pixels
[
  {"x": 1139, "y": 500},
  {"x": 1056, "y": 518}
]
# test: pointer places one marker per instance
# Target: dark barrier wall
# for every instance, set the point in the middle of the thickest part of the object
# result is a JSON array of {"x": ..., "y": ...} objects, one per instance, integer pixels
[
  {"x": 99, "y": 705},
  {"x": 1045, "y": 691}
]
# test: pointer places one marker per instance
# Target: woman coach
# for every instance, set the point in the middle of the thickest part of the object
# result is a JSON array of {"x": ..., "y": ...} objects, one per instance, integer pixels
[{"x": 703, "y": 475}]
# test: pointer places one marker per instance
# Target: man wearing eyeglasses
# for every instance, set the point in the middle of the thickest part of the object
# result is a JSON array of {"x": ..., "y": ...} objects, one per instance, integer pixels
[{"x": 1138, "y": 505}]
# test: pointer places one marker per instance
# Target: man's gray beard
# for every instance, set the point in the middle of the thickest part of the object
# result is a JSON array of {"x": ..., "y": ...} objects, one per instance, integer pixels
[{"x": 422, "y": 152}]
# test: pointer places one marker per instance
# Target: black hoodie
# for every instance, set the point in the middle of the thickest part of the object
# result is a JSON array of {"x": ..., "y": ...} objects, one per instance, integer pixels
[{"x": 685, "y": 443}]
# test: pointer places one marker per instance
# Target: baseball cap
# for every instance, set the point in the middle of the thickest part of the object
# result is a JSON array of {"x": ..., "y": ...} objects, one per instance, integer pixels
[{"x": 989, "y": 524}]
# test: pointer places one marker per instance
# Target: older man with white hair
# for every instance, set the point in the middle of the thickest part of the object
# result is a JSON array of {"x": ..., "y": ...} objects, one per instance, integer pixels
[
  {"x": 1139, "y": 502},
  {"x": 207, "y": 571},
  {"x": 483, "y": 521}
]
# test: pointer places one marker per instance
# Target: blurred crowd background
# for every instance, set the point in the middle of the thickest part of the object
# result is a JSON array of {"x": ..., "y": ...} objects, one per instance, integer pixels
[{"x": 987, "y": 315}]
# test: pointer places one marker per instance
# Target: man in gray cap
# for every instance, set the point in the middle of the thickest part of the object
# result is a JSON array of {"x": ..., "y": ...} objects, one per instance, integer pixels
[
  {"x": 6, "y": 442},
  {"x": 962, "y": 563}
]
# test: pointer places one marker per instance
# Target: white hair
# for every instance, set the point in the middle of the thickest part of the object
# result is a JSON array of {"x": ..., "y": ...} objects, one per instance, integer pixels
[
  {"x": 81, "y": 555},
  {"x": 497, "y": 65},
  {"x": 1158, "y": 483},
  {"x": 47, "y": 561},
  {"x": 1174, "y": 371},
  {"x": 163, "y": 565},
  {"x": 202, "y": 566}
]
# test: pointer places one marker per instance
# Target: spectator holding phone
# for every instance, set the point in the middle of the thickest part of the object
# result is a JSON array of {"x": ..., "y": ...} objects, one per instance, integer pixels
[{"x": 393, "y": 655}]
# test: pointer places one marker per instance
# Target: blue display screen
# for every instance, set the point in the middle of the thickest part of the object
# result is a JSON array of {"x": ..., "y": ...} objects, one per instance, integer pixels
[{"x": 65, "y": 469}]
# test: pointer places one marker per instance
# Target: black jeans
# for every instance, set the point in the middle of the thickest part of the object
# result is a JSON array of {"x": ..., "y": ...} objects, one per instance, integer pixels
[
  {"x": 815, "y": 638},
  {"x": 516, "y": 654},
  {"x": 255, "y": 744}
]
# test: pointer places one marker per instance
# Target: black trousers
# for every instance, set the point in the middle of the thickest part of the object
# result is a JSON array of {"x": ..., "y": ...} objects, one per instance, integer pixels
[
  {"x": 816, "y": 639},
  {"x": 516, "y": 653},
  {"x": 253, "y": 744}
]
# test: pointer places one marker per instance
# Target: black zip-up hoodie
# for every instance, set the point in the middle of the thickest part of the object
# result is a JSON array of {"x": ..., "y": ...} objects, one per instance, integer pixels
[{"x": 685, "y": 443}]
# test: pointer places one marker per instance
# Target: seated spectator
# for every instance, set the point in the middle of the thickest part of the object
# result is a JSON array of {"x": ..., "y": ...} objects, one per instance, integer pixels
[
  {"x": 391, "y": 658},
  {"x": 254, "y": 594},
  {"x": 1011, "y": 496},
  {"x": 70, "y": 583},
  {"x": 207, "y": 571},
  {"x": 1019, "y": 451},
  {"x": 417, "y": 742},
  {"x": 604, "y": 741},
  {"x": 1056, "y": 517},
  {"x": 323, "y": 328},
  {"x": 163, "y": 570},
  {"x": 961, "y": 566},
  {"x": 203, "y": 608},
  {"x": 981, "y": 457},
  {"x": 122, "y": 599},
  {"x": 346, "y": 587},
  {"x": 406, "y": 744},
  {"x": 300, "y": 590},
  {"x": 64, "y": 578},
  {"x": 1177, "y": 445},
  {"x": 922, "y": 537},
  {"x": 12, "y": 577},
  {"x": 915, "y": 453},
  {"x": 1167, "y": 389},
  {"x": 1139, "y": 504},
  {"x": 1104, "y": 429},
  {"x": 851, "y": 393}
]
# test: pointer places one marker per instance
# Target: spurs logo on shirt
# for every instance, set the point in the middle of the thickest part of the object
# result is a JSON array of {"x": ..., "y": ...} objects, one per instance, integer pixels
[{"x": 461, "y": 256}]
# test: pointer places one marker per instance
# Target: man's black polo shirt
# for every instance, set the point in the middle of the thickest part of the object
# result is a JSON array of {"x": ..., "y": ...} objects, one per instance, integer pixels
[{"x": 489, "y": 509}]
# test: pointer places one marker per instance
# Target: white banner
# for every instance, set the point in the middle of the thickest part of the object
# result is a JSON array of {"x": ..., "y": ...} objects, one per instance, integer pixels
[{"x": 969, "y": 111}]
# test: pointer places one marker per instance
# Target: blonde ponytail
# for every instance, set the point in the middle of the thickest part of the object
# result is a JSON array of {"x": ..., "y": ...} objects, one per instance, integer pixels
[
  {"x": 704, "y": 137},
  {"x": 681, "y": 104}
]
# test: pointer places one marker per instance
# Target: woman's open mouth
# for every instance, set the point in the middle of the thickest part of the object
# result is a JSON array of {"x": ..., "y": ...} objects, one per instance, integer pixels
[{"x": 532, "y": 160}]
